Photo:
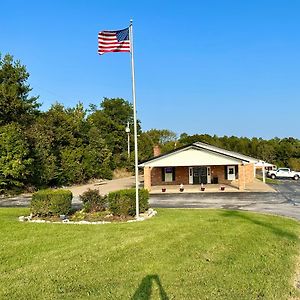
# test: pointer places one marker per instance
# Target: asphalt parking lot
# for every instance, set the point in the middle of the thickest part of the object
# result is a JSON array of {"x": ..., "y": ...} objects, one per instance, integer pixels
[
  {"x": 290, "y": 189},
  {"x": 286, "y": 201}
]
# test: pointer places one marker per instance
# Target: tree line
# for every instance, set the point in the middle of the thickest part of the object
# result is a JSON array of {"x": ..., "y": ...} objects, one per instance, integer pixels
[{"x": 66, "y": 145}]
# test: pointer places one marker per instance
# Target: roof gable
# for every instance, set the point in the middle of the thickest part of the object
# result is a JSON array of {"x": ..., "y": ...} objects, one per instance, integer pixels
[
  {"x": 226, "y": 152},
  {"x": 192, "y": 155}
]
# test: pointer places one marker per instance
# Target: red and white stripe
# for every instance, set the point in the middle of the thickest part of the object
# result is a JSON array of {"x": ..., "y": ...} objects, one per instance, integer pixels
[{"x": 107, "y": 42}]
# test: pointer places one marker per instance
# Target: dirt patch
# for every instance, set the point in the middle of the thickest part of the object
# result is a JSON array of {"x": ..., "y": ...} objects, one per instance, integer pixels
[{"x": 121, "y": 173}]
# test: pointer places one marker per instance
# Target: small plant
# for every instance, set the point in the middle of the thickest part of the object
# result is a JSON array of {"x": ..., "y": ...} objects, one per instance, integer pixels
[
  {"x": 181, "y": 188},
  {"x": 51, "y": 202},
  {"x": 93, "y": 201},
  {"x": 78, "y": 216}
]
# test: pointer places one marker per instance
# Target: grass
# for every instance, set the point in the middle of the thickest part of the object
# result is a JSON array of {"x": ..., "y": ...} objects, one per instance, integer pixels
[
  {"x": 179, "y": 254},
  {"x": 269, "y": 180}
]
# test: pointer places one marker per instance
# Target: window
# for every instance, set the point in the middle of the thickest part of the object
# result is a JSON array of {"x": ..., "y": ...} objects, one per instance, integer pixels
[
  {"x": 168, "y": 174},
  {"x": 230, "y": 170}
]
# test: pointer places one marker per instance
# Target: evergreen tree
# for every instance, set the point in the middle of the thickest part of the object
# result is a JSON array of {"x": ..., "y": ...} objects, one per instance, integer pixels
[{"x": 15, "y": 103}]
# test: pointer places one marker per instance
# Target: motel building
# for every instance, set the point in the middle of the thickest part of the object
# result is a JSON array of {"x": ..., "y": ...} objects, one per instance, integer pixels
[{"x": 198, "y": 164}]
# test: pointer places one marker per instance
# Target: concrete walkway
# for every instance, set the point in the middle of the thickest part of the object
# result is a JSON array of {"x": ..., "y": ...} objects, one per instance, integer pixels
[{"x": 256, "y": 186}]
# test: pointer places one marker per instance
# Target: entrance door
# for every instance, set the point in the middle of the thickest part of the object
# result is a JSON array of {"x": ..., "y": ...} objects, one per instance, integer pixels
[
  {"x": 200, "y": 175},
  {"x": 196, "y": 176},
  {"x": 231, "y": 172},
  {"x": 203, "y": 175}
]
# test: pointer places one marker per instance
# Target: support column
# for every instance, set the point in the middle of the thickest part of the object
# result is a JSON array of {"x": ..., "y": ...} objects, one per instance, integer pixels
[
  {"x": 147, "y": 178},
  {"x": 242, "y": 176}
]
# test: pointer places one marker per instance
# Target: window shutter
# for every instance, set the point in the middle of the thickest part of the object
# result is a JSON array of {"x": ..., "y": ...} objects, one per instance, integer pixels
[
  {"x": 173, "y": 175},
  {"x": 163, "y": 174},
  {"x": 225, "y": 172},
  {"x": 236, "y": 172}
]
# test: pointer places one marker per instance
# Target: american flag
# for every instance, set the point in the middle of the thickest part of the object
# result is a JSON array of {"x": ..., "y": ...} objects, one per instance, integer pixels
[{"x": 114, "y": 41}]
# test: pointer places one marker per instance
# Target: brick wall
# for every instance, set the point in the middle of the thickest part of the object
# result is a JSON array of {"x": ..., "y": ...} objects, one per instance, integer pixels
[
  {"x": 246, "y": 175},
  {"x": 218, "y": 171},
  {"x": 181, "y": 176},
  {"x": 249, "y": 173},
  {"x": 153, "y": 176},
  {"x": 147, "y": 178}
]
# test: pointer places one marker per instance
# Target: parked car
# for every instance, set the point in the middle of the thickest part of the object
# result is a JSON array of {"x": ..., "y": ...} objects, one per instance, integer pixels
[{"x": 283, "y": 173}]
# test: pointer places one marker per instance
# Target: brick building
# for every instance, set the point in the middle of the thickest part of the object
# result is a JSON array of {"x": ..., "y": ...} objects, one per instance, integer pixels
[{"x": 198, "y": 163}]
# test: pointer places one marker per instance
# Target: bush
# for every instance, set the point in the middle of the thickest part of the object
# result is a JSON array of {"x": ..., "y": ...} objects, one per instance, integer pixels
[
  {"x": 51, "y": 202},
  {"x": 93, "y": 201},
  {"x": 122, "y": 203}
]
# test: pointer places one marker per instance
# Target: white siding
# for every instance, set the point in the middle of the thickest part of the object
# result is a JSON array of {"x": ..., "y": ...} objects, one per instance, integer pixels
[{"x": 191, "y": 157}]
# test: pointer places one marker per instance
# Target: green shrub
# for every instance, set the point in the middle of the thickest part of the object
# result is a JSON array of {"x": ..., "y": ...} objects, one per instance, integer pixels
[
  {"x": 122, "y": 203},
  {"x": 51, "y": 202},
  {"x": 93, "y": 201}
]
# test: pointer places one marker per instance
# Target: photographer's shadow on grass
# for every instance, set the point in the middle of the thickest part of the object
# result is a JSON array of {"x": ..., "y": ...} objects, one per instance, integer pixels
[
  {"x": 146, "y": 287},
  {"x": 252, "y": 218}
]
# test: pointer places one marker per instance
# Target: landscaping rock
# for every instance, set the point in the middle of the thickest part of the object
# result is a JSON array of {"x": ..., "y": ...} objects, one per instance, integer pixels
[
  {"x": 84, "y": 222},
  {"x": 136, "y": 220},
  {"x": 144, "y": 216},
  {"x": 151, "y": 212}
]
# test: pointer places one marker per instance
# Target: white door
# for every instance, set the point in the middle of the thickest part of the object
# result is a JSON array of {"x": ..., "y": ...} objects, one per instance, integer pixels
[
  {"x": 208, "y": 175},
  {"x": 231, "y": 172},
  {"x": 191, "y": 175}
]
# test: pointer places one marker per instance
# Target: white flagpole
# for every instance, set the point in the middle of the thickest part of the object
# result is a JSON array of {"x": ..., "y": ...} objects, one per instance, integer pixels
[{"x": 135, "y": 123}]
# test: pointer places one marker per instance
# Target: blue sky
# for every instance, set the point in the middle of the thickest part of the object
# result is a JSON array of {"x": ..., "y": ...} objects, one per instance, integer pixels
[{"x": 225, "y": 67}]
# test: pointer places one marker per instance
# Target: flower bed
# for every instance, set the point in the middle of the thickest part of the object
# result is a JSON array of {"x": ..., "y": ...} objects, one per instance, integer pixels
[{"x": 80, "y": 217}]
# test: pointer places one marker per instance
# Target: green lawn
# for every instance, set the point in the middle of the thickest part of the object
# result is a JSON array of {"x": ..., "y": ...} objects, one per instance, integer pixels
[
  {"x": 269, "y": 180},
  {"x": 179, "y": 254}
]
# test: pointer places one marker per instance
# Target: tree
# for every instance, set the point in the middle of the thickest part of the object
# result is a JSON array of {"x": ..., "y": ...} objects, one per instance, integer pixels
[
  {"x": 15, "y": 103},
  {"x": 15, "y": 163},
  {"x": 56, "y": 134},
  {"x": 97, "y": 158},
  {"x": 111, "y": 120},
  {"x": 145, "y": 147},
  {"x": 66, "y": 148},
  {"x": 161, "y": 136},
  {"x": 294, "y": 164},
  {"x": 46, "y": 166}
]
